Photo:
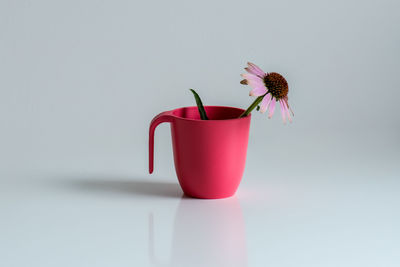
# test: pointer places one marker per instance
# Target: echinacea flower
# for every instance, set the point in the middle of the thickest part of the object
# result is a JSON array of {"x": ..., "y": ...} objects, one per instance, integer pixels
[{"x": 269, "y": 88}]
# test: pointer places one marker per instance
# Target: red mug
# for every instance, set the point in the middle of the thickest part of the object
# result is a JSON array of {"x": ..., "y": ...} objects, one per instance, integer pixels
[{"x": 209, "y": 155}]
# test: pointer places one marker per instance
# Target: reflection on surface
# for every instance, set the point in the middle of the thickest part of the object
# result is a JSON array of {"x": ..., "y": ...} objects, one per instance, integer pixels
[{"x": 206, "y": 233}]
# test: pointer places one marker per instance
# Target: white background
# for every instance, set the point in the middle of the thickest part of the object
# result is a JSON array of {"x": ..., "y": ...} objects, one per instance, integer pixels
[{"x": 81, "y": 80}]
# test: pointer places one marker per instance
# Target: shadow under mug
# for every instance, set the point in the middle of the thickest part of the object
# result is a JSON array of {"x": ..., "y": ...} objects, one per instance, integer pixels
[{"x": 209, "y": 155}]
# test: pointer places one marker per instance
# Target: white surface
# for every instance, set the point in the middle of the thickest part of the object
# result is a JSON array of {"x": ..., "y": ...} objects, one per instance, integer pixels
[
  {"x": 335, "y": 216},
  {"x": 81, "y": 80}
]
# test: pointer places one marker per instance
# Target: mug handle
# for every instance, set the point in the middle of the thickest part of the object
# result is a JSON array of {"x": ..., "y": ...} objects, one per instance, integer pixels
[{"x": 160, "y": 118}]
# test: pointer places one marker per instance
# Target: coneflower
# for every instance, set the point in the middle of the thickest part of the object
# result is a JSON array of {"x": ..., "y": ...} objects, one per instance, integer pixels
[{"x": 269, "y": 88}]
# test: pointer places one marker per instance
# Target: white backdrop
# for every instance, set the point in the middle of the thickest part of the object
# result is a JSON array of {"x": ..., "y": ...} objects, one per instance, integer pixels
[{"x": 81, "y": 80}]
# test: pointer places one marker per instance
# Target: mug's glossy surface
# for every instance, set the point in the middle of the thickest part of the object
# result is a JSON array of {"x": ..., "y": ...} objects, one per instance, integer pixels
[{"x": 209, "y": 155}]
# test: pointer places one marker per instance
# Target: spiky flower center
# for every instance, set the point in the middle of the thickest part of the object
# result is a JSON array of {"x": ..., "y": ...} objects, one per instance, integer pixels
[{"x": 276, "y": 85}]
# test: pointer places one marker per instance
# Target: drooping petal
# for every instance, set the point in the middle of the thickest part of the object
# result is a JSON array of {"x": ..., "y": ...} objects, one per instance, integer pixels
[
  {"x": 271, "y": 108},
  {"x": 287, "y": 110},
  {"x": 283, "y": 110},
  {"x": 287, "y": 105},
  {"x": 254, "y": 69},
  {"x": 265, "y": 102},
  {"x": 258, "y": 91}
]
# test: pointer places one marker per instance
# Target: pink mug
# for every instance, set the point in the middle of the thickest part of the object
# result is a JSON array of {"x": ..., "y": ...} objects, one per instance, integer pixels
[{"x": 209, "y": 155}]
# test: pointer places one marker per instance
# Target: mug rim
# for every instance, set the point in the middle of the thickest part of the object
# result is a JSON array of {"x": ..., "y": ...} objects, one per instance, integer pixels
[{"x": 205, "y": 121}]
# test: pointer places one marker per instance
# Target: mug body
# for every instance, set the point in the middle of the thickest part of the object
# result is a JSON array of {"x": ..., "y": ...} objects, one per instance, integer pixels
[{"x": 209, "y": 155}]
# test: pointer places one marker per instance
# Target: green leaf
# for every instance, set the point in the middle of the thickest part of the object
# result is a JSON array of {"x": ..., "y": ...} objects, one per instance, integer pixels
[
  {"x": 200, "y": 106},
  {"x": 258, "y": 107}
]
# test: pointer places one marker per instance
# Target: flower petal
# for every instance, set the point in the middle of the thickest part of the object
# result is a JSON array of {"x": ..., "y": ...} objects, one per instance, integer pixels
[
  {"x": 271, "y": 108},
  {"x": 249, "y": 76},
  {"x": 258, "y": 91},
  {"x": 283, "y": 110},
  {"x": 254, "y": 69},
  {"x": 265, "y": 102},
  {"x": 253, "y": 80},
  {"x": 287, "y": 110},
  {"x": 287, "y": 106},
  {"x": 256, "y": 84}
]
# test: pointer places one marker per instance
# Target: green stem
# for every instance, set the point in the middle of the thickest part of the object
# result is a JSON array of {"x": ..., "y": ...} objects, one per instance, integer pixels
[{"x": 252, "y": 106}]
